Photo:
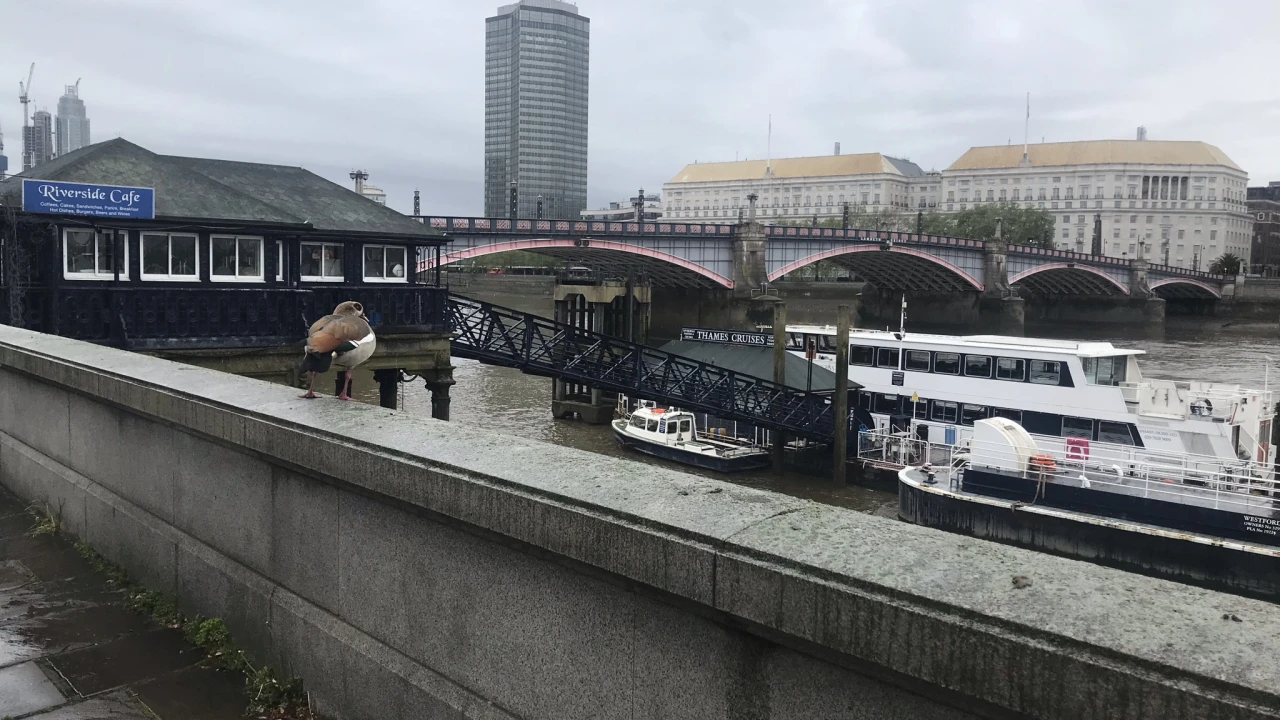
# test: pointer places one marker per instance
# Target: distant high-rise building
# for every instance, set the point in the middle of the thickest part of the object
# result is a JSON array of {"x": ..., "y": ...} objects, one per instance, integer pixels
[
  {"x": 72, "y": 122},
  {"x": 37, "y": 140},
  {"x": 535, "y": 114}
]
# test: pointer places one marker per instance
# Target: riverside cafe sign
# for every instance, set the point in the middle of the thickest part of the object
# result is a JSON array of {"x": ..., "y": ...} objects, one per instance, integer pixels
[{"x": 66, "y": 198}]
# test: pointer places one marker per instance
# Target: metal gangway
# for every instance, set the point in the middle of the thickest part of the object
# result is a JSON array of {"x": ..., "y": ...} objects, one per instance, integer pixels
[{"x": 502, "y": 336}]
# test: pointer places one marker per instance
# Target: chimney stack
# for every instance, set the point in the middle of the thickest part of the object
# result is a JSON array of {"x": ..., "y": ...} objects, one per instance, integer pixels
[
  {"x": 1142, "y": 132},
  {"x": 837, "y": 148}
]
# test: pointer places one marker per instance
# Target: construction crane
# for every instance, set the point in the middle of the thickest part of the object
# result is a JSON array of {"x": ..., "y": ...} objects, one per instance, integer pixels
[{"x": 24, "y": 93}]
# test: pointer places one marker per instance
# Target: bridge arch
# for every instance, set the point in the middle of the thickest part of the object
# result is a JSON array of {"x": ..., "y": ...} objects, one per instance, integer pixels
[
  {"x": 602, "y": 254},
  {"x": 1068, "y": 279},
  {"x": 893, "y": 267},
  {"x": 1180, "y": 287}
]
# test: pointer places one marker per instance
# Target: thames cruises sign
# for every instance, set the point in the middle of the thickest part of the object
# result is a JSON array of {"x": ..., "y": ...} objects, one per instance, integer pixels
[
  {"x": 64, "y": 198},
  {"x": 727, "y": 337}
]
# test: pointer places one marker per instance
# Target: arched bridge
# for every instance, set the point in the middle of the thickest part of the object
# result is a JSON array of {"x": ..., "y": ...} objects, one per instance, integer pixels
[{"x": 746, "y": 256}]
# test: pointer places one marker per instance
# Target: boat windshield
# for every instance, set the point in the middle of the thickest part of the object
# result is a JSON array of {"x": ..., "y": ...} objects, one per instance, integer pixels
[{"x": 1105, "y": 370}]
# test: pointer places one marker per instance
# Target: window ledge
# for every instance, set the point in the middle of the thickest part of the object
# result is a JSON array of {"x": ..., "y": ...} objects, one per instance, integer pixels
[
  {"x": 171, "y": 278},
  {"x": 235, "y": 279}
]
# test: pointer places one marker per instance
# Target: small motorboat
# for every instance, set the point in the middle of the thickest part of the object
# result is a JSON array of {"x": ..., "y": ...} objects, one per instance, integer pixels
[{"x": 670, "y": 434}]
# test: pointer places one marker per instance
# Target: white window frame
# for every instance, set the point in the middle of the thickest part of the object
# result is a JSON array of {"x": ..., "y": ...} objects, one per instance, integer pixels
[
  {"x": 167, "y": 276},
  {"x": 368, "y": 279},
  {"x": 96, "y": 275},
  {"x": 342, "y": 250},
  {"x": 259, "y": 278}
]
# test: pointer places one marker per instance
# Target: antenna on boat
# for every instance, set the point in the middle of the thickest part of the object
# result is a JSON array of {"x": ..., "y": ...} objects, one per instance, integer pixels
[{"x": 902, "y": 319}]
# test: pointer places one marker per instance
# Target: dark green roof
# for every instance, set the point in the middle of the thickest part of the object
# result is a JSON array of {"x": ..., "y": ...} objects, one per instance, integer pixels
[
  {"x": 756, "y": 362},
  {"x": 223, "y": 190}
]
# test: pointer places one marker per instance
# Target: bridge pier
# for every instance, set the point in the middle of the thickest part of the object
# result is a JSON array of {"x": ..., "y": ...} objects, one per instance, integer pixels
[{"x": 611, "y": 307}]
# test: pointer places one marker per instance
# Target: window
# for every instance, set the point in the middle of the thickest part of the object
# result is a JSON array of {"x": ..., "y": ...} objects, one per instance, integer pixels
[
  {"x": 917, "y": 360},
  {"x": 1014, "y": 415},
  {"x": 321, "y": 261},
  {"x": 1045, "y": 372},
  {"x": 887, "y": 358},
  {"x": 651, "y": 425},
  {"x": 235, "y": 258},
  {"x": 946, "y": 363},
  {"x": 942, "y": 411},
  {"x": 1105, "y": 370},
  {"x": 1010, "y": 369},
  {"x": 686, "y": 425},
  {"x": 169, "y": 257},
  {"x": 384, "y": 263},
  {"x": 969, "y": 414},
  {"x": 887, "y": 404},
  {"x": 90, "y": 255},
  {"x": 1077, "y": 427},
  {"x": 637, "y": 422},
  {"x": 977, "y": 366},
  {"x": 861, "y": 355},
  {"x": 1114, "y": 432}
]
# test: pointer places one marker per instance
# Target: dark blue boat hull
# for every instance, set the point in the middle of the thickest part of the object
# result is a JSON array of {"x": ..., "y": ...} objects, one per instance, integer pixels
[
  {"x": 1194, "y": 519},
  {"x": 708, "y": 462}
]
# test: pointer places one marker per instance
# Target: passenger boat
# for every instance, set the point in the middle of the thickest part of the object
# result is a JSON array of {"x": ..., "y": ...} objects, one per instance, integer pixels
[
  {"x": 671, "y": 434},
  {"x": 942, "y": 385},
  {"x": 1184, "y": 516}
]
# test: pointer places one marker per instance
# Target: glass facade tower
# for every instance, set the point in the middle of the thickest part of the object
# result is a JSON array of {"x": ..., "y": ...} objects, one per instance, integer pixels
[{"x": 535, "y": 134}]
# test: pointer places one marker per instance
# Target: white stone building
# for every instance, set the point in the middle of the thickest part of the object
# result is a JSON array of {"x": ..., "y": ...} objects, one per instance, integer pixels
[
  {"x": 1185, "y": 201},
  {"x": 796, "y": 188}
]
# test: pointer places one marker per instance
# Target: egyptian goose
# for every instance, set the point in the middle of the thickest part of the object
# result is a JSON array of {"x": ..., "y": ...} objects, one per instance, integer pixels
[{"x": 343, "y": 339}]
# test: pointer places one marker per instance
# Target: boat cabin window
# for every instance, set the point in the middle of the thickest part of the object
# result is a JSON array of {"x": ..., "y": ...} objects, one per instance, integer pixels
[
  {"x": 972, "y": 413},
  {"x": 686, "y": 426},
  {"x": 795, "y": 341},
  {"x": 637, "y": 422},
  {"x": 887, "y": 358},
  {"x": 945, "y": 411},
  {"x": 977, "y": 366},
  {"x": 919, "y": 409},
  {"x": 864, "y": 400},
  {"x": 1077, "y": 427},
  {"x": 891, "y": 404},
  {"x": 1045, "y": 372},
  {"x": 1105, "y": 370},
  {"x": 861, "y": 355},
  {"x": 1114, "y": 432},
  {"x": 652, "y": 426},
  {"x": 946, "y": 363},
  {"x": 1014, "y": 415},
  {"x": 671, "y": 427},
  {"x": 917, "y": 360},
  {"x": 1011, "y": 369}
]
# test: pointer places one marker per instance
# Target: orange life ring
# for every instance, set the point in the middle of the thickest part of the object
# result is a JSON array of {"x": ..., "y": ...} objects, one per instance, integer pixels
[{"x": 1043, "y": 462}]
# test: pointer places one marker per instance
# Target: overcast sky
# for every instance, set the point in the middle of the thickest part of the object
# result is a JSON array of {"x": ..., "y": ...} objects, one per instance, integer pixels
[{"x": 397, "y": 87}]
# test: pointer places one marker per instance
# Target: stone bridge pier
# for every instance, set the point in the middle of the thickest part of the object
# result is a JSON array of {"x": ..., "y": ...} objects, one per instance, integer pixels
[{"x": 611, "y": 307}]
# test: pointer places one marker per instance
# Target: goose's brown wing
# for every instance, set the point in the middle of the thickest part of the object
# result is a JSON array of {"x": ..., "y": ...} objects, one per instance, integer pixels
[{"x": 331, "y": 331}]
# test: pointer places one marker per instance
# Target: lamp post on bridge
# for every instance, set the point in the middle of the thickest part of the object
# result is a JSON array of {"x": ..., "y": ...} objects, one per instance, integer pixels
[
  {"x": 539, "y": 207},
  {"x": 639, "y": 206},
  {"x": 515, "y": 197}
]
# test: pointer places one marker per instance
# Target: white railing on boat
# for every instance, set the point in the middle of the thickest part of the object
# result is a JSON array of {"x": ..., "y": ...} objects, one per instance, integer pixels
[
  {"x": 1202, "y": 480},
  {"x": 1192, "y": 400}
]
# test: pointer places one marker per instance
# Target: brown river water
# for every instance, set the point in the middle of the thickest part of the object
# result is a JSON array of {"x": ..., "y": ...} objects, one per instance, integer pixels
[{"x": 504, "y": 400}]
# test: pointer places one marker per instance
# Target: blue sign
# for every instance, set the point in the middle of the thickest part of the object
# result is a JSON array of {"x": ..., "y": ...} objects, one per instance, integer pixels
[{"x": 64, "y": 198}]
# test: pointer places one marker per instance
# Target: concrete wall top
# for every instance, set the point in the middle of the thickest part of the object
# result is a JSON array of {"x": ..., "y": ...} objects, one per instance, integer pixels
[{"x": 914, "y": 605}]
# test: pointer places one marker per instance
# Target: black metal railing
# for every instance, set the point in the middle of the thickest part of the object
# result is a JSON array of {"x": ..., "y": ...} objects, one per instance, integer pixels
[
  {"x": 539, "y": 346},
  {"x": 221, "y": 317}
]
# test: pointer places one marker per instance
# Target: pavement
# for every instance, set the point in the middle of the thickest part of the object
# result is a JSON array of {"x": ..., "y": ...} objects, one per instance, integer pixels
[{"x": 71, "y": 650}]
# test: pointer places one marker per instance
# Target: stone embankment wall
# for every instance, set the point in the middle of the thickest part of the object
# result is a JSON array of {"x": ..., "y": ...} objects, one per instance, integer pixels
[{"x": 409, "y": 568}]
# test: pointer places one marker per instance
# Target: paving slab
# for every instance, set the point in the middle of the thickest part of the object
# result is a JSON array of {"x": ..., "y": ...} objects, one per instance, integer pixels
[
  {"x": 25, "y": 688},
  {"x": 71, "y": 650}
]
